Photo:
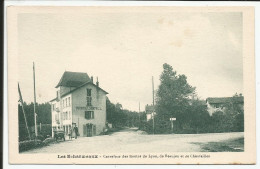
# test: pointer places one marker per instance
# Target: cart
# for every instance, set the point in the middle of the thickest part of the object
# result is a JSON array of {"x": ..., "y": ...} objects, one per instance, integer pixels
[{"x": 59, "y": 135}]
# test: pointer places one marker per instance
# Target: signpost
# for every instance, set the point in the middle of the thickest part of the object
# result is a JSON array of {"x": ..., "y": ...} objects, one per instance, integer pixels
[{"x": 172, "y": 119}]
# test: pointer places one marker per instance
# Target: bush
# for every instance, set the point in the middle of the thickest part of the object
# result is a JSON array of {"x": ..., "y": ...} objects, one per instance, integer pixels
[
  {"x": 29, "y": 144},
  {"x": 48, "y": 141},
  {"x": 40, "y": 137}
]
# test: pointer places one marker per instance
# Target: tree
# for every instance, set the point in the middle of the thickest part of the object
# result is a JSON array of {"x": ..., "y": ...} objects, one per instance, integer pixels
[
  {"x": 43, "y": 116},
  {"x": 173, "y": 99},
  {"x": 120, "y": 117}
]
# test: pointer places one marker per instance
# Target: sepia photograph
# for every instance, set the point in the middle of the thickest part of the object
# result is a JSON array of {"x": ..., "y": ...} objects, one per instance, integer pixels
[{"x": 131, "y": 85}]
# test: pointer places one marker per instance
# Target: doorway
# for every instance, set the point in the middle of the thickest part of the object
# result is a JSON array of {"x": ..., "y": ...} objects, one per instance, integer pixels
[{"x": 89, "y": 130}]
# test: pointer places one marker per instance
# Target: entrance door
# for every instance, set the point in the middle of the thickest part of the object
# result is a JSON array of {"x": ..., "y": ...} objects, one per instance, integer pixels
[
  {"x": 89, "y": 130},
  {"x": 85, "y": 130}
]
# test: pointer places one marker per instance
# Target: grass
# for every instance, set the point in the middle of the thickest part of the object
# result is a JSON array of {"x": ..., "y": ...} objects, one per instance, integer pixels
[{"x": 232, "y": 145}]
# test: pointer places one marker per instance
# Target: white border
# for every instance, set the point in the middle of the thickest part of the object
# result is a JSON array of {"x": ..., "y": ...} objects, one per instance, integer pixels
[{"x": 133, "y": 3}]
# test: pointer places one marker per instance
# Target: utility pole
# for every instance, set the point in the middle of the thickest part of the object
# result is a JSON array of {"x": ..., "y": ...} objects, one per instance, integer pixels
[
  {"x": 25, "y": 119},
  {"x": 139, "y": 116},
  {"x": 153, "y": 104},
  {"x": 35, "y": 118},
  {"x": 153, "y": 90}
]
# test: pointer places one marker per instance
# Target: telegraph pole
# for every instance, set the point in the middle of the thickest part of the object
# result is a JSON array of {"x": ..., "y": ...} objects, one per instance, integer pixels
[
  {"x": 153, "y": 104},
  {"x": 153, "y": 90},
  {"x": 35, "y": 118},
  {"x": 25, "y": 119},
  {"x": 139, "y": 116}
]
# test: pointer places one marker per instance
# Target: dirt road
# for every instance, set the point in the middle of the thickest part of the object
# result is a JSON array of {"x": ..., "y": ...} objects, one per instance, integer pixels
[{"x": 133, "y": 141}]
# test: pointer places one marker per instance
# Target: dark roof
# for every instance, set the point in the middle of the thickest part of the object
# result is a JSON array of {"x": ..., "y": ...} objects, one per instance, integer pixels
[
  {"x": 216, "y": 100},
  {"x": 202, "y": 102},
  {"x": 73, "y": 79}
]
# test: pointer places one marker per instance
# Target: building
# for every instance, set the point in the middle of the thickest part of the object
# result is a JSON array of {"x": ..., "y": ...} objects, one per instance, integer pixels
[
  {"x": 79, "y": 102},
  {"x": 149, "y": 111},
  {"x": 219, "y": 103}
]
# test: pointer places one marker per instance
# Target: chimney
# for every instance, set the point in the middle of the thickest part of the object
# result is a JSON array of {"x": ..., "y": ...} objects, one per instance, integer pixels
[
  {"x": 92, "y": 79},
  {"x": 97, "y": 83}
]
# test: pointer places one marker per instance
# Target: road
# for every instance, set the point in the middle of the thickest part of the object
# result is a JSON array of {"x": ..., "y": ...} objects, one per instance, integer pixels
[{"x": 133, "y": 141}]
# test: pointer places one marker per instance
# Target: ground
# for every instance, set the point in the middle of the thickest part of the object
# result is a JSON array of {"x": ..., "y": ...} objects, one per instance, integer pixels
[{"x": 134, "y": 141}]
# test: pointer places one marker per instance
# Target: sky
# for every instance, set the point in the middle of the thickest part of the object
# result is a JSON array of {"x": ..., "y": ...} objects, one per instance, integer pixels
[{"x": 125, "y": 49}]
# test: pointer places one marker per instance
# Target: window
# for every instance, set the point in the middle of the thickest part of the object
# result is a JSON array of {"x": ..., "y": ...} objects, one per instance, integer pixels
[
  {"x": 56, "y": 117},
  {"x": 89, "y": 98},
  {"x": 88, "y": 92},
  {"x": 66, "y": 102},
  {"x": 89, "y": 101},
  {"x": 89, "y": 114},
  {"x": 69, "y": 101},
  {"x": 217, "y": 105}
]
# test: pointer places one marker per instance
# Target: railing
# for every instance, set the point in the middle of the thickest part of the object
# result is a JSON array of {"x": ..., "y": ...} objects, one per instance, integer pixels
[{"x": 58, "y": 121}]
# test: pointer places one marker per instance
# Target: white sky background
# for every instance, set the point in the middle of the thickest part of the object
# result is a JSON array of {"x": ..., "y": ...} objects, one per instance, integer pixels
[{"x": 126, "y": 49}]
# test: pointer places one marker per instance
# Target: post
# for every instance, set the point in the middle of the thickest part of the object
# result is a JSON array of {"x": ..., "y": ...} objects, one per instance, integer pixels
[
  {"x": 153, "y": 104},
  {"x": 172, "y": 119},
  {"x": 25, "y": 119},
  {"x": 153, "y": 90},
  {"x": 172, "y": 125},
  {"x": 35, "y": 118},
  {"x": 153, "y": 121},
  {"x": 139, "y": 116}
]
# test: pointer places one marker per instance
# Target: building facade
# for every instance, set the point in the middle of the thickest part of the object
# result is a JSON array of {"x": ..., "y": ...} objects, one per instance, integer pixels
[
  {"x": 79, "y": 102},
  {"x": 215, "y": 104},
  {"x": 150, "y": 112}
]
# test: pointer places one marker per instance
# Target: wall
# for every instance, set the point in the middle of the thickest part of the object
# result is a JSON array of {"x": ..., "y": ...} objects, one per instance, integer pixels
[
  {"x": 62, "y": 109},
  {"x": 98, "y": 100},
  {"x": 64, "y": 90}
]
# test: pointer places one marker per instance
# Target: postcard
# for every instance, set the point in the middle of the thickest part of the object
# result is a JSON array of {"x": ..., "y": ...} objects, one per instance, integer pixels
[{"x": 131, "y": 85}]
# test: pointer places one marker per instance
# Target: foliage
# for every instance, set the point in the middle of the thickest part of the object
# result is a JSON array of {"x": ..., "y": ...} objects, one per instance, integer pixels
[
  {"x": 43, "y": 116},
  {"x": 176, "y": 98},
  {"x": 29, "y": 144},
  {"x": 120, "y": 117},
  {"x": 173, "y": 100},
  {"x": 231, "y": 119}
]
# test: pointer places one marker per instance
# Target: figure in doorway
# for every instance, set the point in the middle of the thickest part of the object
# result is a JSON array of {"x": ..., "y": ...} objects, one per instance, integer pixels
[
  {"x": 76, "y": 131},
  {"x": 70, "y": 132}
]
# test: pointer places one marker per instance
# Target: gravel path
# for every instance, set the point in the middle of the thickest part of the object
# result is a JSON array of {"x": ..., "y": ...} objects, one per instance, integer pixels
[{"x": 133, "y": 141}]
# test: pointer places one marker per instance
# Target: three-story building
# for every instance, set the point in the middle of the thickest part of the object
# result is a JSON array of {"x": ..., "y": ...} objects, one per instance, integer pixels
[{"x": 79, "y": 102}]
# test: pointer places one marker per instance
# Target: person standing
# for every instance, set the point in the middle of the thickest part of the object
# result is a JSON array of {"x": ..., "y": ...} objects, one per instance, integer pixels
[
  {"x": 76, "y": 132},
  {"x": 70, "y": 133}
]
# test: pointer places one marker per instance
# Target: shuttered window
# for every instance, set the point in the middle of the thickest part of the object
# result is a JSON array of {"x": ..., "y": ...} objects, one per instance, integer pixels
[
  {"x": 89, "y": 114},
  {"x": 89, "y": 98}
]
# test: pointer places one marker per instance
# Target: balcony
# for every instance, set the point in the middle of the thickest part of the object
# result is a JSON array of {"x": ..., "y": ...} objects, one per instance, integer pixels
[
  {"x": 57, "y": 109},
  {"x": 58, "y": 121}
]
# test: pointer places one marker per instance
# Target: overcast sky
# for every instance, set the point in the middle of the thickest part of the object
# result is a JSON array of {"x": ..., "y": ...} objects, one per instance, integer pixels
[{"x": 126, "y": 49}]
